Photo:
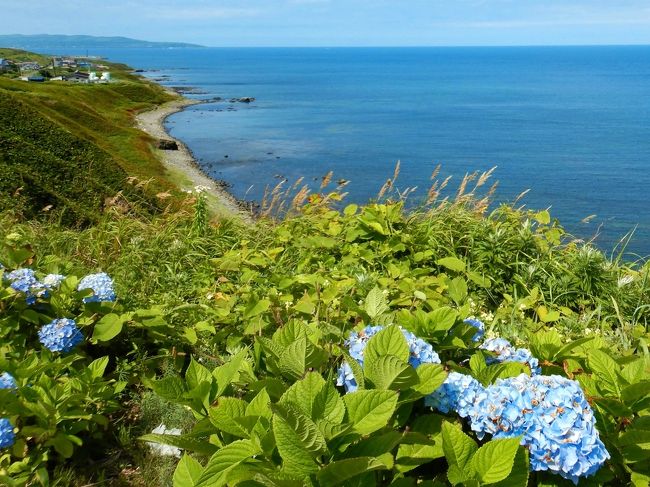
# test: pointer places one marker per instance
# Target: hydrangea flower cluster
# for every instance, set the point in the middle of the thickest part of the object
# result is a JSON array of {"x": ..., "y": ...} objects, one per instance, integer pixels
[
  {"x": 25, "y": 281},
  {"x": 457, "y": 393},
  {"x": 480, "y": 329},
  {"x": 554, "y": 417},
  {"x": 7, "y": 381},
  {"x": 7, "y": 436},
  {"x": 505, "y": 352},
  {"x": 551, "y": 414},
  {"x": 421, "y": 352},
  {"x": 60, "y": 335},
  {"x": 101, "y": 285}
]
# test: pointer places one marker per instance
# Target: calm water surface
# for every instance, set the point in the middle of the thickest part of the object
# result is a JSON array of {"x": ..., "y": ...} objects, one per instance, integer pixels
[{"x": 572, "y": 124}]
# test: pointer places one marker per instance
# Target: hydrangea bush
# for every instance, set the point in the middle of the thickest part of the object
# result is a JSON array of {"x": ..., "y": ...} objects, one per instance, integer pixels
[{"x": 66, "y": 398}]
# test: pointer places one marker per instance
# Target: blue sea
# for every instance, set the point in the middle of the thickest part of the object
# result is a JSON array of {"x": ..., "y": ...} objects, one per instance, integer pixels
[{"x": 570, "y": 124}]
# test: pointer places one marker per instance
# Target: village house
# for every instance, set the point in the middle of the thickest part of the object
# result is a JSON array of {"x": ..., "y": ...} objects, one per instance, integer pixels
[
  {"x": 29, "y": 66},
  {"x": 5, "y": 65}
]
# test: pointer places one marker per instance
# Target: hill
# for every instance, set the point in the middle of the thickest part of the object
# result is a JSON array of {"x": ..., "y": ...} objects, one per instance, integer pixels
[
  {"x": 69, "y": 147},
  {"x": 49, "y": 42}
]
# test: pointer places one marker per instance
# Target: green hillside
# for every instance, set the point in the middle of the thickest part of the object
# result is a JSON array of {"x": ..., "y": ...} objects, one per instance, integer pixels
[{"x": 69, "y": 147}]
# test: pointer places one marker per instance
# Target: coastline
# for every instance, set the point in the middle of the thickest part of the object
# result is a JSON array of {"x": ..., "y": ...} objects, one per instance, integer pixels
[{"x": 182, "y": 161}]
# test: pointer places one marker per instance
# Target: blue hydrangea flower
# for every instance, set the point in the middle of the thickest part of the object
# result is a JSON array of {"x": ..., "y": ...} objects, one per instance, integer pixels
[
  {"x": 24, "y": 281},
  {"x": 554, "y": 417},
  {"x": 7, "y": 436},
  {"x": 7, "y": 381},
  {"x": 101, "y": 285},
  {"x": 458, "y": 393},
  {"x": 505, "y": 352},
  {"x": 420, "y": 353},
  {"x": 480, "y": 329},
  {"x": 60, "y": 335}
]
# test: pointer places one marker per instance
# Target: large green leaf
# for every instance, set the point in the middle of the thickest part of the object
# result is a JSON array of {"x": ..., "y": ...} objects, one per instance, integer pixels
[
  {"x": 457, "y": 446},
  {"x": 225, "y": 413},
  {"x": 370, "y": 410},
  {"x": 187, "y": 472},
  {"x": 108, "y": 328},
  {"x": 298, "y": 440},
  {"x": 170, "y": 388},
  {"x": 389, "y": 341},
  {"x": 636, "y": 392},
  {"x": 227, "y": 458},
  {"x": 376, "y": 303},
  {"x": 431, "y": 377},
  {"x": 339, "y": 472},
  {"x": 390, "y": 372},
  {"x": 606, "y": 369},
  {"x": 196, "y": 374},
  {"x": 493, "y": 462},
  {"x": 452, "y": 263},
  {"x": 520, "y": 471},
  {"x": 316, "y": 398},
  {"x": 227, "y": 372}
]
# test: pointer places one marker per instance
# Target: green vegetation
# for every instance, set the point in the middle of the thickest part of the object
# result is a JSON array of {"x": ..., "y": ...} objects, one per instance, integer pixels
[
  {"x": 237, "y": 323},
  {"x": 251, "y": 339},
  {"x": 81, "y": 139},
  {"x": 20, "y": 56}
]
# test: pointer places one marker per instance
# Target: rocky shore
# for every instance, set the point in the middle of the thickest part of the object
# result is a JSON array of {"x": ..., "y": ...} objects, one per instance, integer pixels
[{"x": 176, "y": 156}]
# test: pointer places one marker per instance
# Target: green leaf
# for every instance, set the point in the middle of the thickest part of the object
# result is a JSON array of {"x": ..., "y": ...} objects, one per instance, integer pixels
[
  {"x": 636, "y": 392},
  {"x": 293, "y": 361},
  {"x": 431, "y": 377},
  {"x": 389, "y": 372},
  {"x": 493, "y": 462},
  {"x": 227, "y": 458},
  {"x": 543, "y": 217},
  {"x": 457, "y": 446},
  {"x": 196, "y": 374},
  {"x": 520, "y": 471},
  {"x": 605, "y": 368},
  {"x": 339, "y": 472},
  {"x": 170, "y": 388},
  {"x": 376, "y": 303},
  {"x": 370, "y": 410},
  {"x": 107, "y": 328},
  {"x": 564, "y": 352},
  {"x": 298, "y": 440},
  {"x": 441, "y": 319},
  {"x": 315, "y": 398},
  {"x": 411, "y": 456},
  {"x": 97, "y": 367},
  {"x": 226, "y": 373},
  {"x": 457, "y": 290},
  {"x": 389, "y": 341},
  {"x": 452, "y": 263},
  {"x": 187, "y": 473},
  {"x": 260, "y": 405},
  {"x": 224, "y": 416},
  {"x": 547, "y": 316},
  {"x": 256, "y": 308}
]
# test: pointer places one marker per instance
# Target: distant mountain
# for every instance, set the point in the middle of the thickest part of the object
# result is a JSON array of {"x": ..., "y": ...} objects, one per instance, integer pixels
[{"x": 47, "y": 42}]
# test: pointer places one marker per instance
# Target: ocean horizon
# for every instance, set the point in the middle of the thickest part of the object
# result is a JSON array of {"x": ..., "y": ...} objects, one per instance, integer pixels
[{"x": 570, "y": 124}]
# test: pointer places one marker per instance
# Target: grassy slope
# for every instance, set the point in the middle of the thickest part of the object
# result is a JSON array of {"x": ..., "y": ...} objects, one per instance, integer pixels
[
  {"x": 18, "y": 55},
  {"x": 50, "y": 122}
]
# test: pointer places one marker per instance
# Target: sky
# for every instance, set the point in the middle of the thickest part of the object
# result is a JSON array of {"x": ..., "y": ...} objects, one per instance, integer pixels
[{"x": 338, "y": 22}]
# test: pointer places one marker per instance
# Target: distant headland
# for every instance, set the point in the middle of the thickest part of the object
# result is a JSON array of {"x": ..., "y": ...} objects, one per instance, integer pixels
[{"x": 48, "y": 41}]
